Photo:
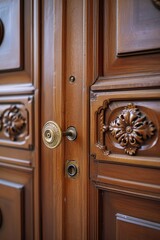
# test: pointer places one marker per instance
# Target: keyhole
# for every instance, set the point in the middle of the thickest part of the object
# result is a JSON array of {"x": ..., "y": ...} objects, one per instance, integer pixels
[{"x": 72, "y": 170}]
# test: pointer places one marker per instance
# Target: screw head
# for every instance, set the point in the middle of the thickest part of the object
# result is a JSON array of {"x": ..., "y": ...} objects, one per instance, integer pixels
[{"x": 72, "y": 79}]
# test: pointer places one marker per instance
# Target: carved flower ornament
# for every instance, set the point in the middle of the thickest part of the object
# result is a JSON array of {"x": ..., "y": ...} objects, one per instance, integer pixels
[
  {"x": 12, "y": 121},
  {"x": 131, "y": 128}
]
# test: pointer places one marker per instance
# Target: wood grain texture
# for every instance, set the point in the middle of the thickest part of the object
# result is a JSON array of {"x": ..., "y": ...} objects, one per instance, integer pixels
[
  {"x": 124, "y": 181},
  {"x": 19, "y": 104},
  {"x": 18, "y": 198},
  {"x": 112, "y": 204},
  {"x": 11, "y": 13},
  {"x": 12, "y": 203}
]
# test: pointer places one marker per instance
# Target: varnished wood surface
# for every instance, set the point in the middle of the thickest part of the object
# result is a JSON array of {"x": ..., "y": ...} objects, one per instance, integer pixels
[
  {"x": 124, "y": 182},
  {"x": 94, "y": 41},
  {"x": 64, "y": 200},
  {"x": 19, "y": 84}
]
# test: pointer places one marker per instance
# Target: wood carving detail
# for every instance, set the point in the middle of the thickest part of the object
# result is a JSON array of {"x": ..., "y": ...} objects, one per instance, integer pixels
[
  {"x": 102, "y": 128},
  {"x": 12, "y": 122},
  {"x": 131, "y": 128}
]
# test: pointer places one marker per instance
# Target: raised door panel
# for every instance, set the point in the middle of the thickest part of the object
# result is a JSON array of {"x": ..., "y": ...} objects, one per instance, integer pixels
[
  {"x": 18, "y": 51},
  {"x": 11, "y": 207},
  {"x": 141, "y": 32},
  {"x": 126, "y": 124},
  {"x": 130, "y": 228},
  {"x": 19, "y": 117},
  {"x": 124, "y": 120},
  {"x": 128, "y": 35},
  {"x": 128, "y": 217},
  {"x": 11, "y": 13},
  {"x": 16, "y": 202},
  {"x": 16, "y": 126},
  {"x": 126, "y": 44}
]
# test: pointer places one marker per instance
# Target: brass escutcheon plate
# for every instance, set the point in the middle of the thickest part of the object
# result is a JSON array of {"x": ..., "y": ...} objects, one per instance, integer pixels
[{"x": 51, "y": 134}]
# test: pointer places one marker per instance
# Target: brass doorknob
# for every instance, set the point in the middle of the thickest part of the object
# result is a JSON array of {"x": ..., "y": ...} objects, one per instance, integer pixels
[{"x": 52, "y": 134}]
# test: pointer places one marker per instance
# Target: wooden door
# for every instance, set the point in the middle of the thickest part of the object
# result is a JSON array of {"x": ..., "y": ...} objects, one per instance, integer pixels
[
  {"x": 124, "y": 117},
  {"x": 64, "y": 101},
  {"x": 94, "y": 65},
  {"x": 100, "y": 74},
  {"x": 19, "y": 119}
]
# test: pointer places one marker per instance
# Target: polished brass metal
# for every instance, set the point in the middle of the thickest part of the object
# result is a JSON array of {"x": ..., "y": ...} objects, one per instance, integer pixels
[
  {"x": 72, "y": 169},
  {"x": 52, "y": 134},
  {"x": 72, "y": 79},
  {"x": 70, "y": 133}
]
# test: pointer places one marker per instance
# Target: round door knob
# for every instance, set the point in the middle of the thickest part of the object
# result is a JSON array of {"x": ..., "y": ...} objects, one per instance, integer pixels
[{"x": 52, "y": 134}]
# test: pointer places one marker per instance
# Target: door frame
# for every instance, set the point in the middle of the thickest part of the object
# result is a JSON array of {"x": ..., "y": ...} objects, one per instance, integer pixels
[{"x": 57, "y": 222}]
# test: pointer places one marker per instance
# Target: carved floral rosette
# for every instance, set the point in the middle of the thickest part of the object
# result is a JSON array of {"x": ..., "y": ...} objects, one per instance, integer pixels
[
  {"x": 131, "y": 129},
  {"x": 12, "y": 122}
]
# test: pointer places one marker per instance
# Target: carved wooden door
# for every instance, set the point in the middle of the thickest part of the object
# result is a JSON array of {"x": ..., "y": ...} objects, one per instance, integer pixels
[
  {"x": 98, "y": 62},
  {"x": 105, "y": 53},
  {"x": 125, "y": 117},
  {"x": 19, "y": 120}
]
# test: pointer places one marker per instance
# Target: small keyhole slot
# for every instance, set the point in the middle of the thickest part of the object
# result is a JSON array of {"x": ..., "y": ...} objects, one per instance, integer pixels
[{"x": 72, "y": 170}]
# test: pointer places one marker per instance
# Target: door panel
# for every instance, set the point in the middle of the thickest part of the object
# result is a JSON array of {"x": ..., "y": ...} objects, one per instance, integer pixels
[
  {"x": 19, "y": 119},
  {"x": 124, "y": 217},
  {"x": 64, "y": 197},
  {"x": 11, "y": 201},
  {"x": 120, "y": 46},
  {"x": 142, "y": 23},
  {"x": 11, "y": 13},
  {"x": 124, "y": 118},
  {"x": 113, "y": 113}
]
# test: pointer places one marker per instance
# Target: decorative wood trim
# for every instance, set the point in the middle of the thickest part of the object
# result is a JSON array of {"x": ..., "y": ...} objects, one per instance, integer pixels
[
  {"x": 131, "y": 128},
  {"x": 122, "y": 178},
  {"x": 16, "y": 122},
  {"x": 102, "y": 127},
  {"x": 137, "y": 221},
  {"x": 13, "y": 194},
  {"x": 105, "y": 146},
  {"x": 12, "y": 122},
  {"x": 12, "y": 41},
  {"x": 93, "y": 96},
  {"x": 126, "y": 82},
  {"x": 114, "y": 76}
]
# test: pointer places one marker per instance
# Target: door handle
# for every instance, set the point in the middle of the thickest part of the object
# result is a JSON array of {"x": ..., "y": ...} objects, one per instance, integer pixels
[{"x": 52, "y": 134}]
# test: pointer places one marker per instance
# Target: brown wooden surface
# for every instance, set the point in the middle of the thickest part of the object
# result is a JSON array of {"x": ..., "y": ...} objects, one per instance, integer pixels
[
  {"x": 19, "y": 120},
  {"x": 64, "y": 200},
  {"x": 11, "y": 48},
  {"x": 125, "y": 193},
  {"x": 111, "y": 47},
  {"x": 12, "y": 205}
]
